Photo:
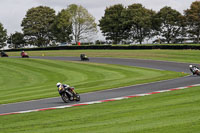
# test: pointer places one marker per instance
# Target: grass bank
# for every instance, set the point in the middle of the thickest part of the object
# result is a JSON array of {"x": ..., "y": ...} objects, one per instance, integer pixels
[
  {"x": 170, "y": 112},
  {"x": 28, "y": 79},
  {"x": 190, "y": 56}
]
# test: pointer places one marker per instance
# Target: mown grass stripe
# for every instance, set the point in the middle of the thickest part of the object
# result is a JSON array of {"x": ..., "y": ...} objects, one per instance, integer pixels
[
  {"x": 176, "y": 111},
  {"x": 29, "y": 79}
]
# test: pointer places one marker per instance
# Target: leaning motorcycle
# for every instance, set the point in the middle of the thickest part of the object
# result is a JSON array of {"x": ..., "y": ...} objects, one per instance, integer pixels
[
  {"x": 84, "y": 57},
  {"x": 195, "y": 70},
  {"x": 24, "y": 55},
  {"x": 3, "y": 54},
  {"x": 69, "y": 94}
]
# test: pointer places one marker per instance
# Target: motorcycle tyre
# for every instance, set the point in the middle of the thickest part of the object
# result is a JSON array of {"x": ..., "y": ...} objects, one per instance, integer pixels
[
  {"x": 65, "y": 98},
  {"x": 26, "y": 56},
  {"x": 78, "y": 98},
  {"x": 84, "y": 59},
  {"x": 4, "y": 56},
  {"x": 198, "y": 73}
]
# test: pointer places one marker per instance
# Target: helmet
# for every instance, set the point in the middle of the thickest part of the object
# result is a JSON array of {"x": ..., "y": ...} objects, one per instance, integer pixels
[
  {"x": 190, "y": 66},
  {"x": 58, "y": 84}
]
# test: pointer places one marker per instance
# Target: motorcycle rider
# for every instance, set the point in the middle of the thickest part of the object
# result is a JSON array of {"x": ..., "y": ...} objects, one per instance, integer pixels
[
  {"x": 193, "y": 69},
  {"x": 2, "y": 53},
  {"x": 23, "y": 53},
  {"x": 64, "y": 87}
]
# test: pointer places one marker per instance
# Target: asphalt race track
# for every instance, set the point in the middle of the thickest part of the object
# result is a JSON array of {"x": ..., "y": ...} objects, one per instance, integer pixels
[{"x": 116, "y": 92}]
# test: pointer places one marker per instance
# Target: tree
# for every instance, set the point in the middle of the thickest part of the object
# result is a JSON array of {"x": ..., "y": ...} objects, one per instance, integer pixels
[
  {"x": 169, "y": 23},
  {"x": 83, "y": 23},
  {"x": 193, "y": 19},
  {"x": 16, "y": 40},
  {"x": 111, "y": 24},
  {"x": 183, "y": 28},
  {"x": 37, "y": 25},
  {"x": 139, "y": 22},
  {"x": 3, "y": 36},
  {"x": 62, "y": 27}
]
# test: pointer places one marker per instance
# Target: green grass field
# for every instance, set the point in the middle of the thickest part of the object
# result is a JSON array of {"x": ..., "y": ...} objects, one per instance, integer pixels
[
  {"x": 191, "y": 56},
  {"x": 28, "y": 79},
  {"x": 170, "y": 112}
]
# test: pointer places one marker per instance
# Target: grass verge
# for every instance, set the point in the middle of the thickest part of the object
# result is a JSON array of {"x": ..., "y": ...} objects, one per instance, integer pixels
[
  {"x": 189, "y": 56},
  {"x": 168, "y": 112},
  {"x": 28, "y": 79}
]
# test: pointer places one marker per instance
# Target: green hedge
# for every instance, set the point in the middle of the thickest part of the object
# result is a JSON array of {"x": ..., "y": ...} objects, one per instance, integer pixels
[{"x": 167, "y": 46}]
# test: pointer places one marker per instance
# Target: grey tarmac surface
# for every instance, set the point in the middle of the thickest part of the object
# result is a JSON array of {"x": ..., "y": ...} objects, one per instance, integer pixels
[{"x": 116, "y": 92}]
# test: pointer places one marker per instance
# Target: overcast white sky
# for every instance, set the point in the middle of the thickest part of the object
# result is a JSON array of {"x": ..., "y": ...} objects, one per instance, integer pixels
[{"x": 13, "y": 11}]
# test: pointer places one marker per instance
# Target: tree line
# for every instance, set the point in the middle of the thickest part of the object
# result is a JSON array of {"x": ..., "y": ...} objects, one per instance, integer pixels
[
  {"x": 42, "y": 27},
  {"x": 136, "y": 23}
]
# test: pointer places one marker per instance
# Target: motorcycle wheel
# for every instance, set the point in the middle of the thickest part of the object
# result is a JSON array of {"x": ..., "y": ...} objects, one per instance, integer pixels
[
  {"x": 65, "y": 97},
  {"x": 198, "y": 73},
  {"x": 78, "y": 98}
]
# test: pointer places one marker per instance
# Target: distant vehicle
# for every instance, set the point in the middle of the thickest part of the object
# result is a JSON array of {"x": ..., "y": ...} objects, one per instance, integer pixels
[
  {"x": 195, "y": 70},
  {"x": 84, "y": 57},
  {"x": 67, "y": 93},
  {"x": 3, "y": 54},
  {"x": 24, "y": 55}
]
